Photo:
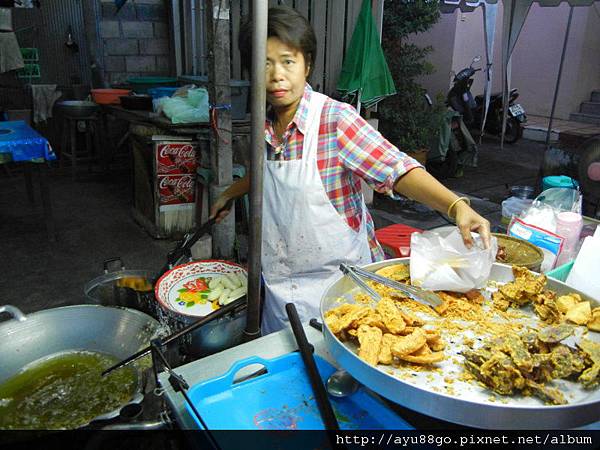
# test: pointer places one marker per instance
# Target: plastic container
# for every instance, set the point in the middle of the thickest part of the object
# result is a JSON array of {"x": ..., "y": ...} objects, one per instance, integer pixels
[
  {"x": 141, "y": 84},
  {"x": 518, "y": 252},
  {"x": 558, "y": 181},
  {"x": 395, "y": 239},
  {"x": 109, "y": 96},
  {"x": 161, "y": 92},
  {"x": 562, "y": 272},
  {"x": 523, "y": 192},
  {"x": 513, "y": 206},
  {"x": 569, "y": 225}
]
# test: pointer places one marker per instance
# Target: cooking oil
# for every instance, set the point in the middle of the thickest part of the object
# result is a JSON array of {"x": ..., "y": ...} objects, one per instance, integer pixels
[{"x": 64, "y": 391}]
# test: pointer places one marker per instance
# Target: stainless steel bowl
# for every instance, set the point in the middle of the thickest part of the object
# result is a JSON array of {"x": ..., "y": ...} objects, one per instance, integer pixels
[
  {"x": 470, "y": 404},
  {"x": 77, "y": 108}
]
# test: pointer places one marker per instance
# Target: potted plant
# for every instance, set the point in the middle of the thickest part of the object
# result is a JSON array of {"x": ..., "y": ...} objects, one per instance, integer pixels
[{"x": 407, "y": 119}]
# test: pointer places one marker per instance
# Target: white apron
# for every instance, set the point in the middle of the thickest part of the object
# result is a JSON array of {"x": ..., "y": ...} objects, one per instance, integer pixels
[{"x": 304, "y": 238}]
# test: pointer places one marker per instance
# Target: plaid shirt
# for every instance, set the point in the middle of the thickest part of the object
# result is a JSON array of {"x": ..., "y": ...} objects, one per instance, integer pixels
[{"x": 349, "y": 150}]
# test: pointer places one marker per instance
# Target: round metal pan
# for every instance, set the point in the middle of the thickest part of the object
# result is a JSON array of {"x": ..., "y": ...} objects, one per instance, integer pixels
[{"x": 469, "y": 403}]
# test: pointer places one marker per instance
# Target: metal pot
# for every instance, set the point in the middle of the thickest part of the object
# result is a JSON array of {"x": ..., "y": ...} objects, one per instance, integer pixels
[
  {"x": 118, "y": 332},
  {"x": 210, "y": 338},
  {"x": 112, "y": 289}
]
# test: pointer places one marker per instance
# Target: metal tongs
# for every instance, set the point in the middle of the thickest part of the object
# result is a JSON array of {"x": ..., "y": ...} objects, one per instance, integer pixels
[{"x": 427, "y": 298}]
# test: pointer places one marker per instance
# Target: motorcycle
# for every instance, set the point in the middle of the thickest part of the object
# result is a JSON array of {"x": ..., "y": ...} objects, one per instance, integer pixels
[
  {"x": 452, "y": 148},
  {"x": 461, "y": 99}
]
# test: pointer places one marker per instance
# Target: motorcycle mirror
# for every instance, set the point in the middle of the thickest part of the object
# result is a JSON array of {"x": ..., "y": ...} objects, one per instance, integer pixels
[{"x": 476, "y": 59}]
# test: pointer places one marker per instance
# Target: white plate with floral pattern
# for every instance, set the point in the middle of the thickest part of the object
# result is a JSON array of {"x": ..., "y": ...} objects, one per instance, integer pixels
[{"x": 184, "y": 289}]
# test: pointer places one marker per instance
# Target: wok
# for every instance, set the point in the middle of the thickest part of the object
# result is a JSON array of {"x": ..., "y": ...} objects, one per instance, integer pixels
[
  {"x": 469, "y": 405},
  {"x": 118, "y": 332}
]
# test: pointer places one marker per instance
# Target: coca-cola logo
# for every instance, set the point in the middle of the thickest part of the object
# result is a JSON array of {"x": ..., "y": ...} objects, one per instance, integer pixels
[
  {"x": 184, "y": 151},
  {"x": 180, "y": 183}
]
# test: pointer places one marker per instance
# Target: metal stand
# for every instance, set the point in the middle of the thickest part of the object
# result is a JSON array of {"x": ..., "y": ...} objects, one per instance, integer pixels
[{"x": 178, "y": 384}]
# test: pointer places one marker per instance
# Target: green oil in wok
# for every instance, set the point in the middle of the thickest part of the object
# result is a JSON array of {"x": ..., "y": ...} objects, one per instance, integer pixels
[{"x": 64, "y": 391}]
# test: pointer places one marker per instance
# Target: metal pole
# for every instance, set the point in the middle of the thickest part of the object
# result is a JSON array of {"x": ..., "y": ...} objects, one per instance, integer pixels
[
  {"x": 193, "y": 23},
  {"x": 560, "y": 67},
  {"x": 259, "y": 56}
]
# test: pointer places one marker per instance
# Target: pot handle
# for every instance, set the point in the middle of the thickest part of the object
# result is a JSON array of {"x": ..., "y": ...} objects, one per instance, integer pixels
[
  {"x": 107, "y": 262},
  {"x": 14, "y": 312}
]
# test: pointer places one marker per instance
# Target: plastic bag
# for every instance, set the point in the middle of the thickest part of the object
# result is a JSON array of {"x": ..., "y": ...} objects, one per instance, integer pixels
[
  {"x": 561, "y": 199},
  {"x": 440, "y": 261},
  {"x": 193, "y": 108}
]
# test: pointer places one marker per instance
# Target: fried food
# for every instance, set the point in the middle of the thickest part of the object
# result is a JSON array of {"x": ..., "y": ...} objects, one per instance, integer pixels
[
  {"x": 566, "y": 302},
  {"x": 555, "y": 334},
  {"x": 429, "y": 358},
  {"x": 408, "y": 344},
  {"x": 594, "y": 323},
  {"x": 344, "y": 317},
  {"x": 391, "y": 316},
  {"x": 370, "y": 343},
  {"x": 384, "y": 335},
  {"x": 385, "y": 351},
  {"x": 512, "y": 359},
  {"x": 510, "y": 364},
  {"x": 590, "y": 378},
  {"x": 581, "y": 313},
  {"x": 396, "y": 272}
]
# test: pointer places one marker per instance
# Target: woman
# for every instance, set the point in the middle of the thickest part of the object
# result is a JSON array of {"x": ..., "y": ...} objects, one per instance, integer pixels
[{"x": 317, "y": 151}]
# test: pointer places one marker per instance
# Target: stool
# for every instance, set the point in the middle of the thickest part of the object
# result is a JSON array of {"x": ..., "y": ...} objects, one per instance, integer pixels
[
  {"x": 90, "y": 126},
  {"x": 395, "y": 239}
]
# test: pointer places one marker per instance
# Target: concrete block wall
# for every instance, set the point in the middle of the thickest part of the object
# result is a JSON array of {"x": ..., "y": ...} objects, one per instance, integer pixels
[{"x": 136, "y": 40}]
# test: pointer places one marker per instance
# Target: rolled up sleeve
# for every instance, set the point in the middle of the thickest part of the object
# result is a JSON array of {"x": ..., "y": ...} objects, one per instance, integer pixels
[{"x": 365, "y": 152}]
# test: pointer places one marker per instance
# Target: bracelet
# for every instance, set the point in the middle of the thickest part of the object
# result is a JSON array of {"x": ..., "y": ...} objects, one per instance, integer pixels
[{"x": 464, "y": 199}]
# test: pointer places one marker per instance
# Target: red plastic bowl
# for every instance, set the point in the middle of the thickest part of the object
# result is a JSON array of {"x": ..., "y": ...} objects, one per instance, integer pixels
[{"x": 109, "y": 96}]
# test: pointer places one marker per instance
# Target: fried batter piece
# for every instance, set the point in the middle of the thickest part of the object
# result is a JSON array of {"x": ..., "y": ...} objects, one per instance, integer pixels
[
  {"x": 391, "y": 316},
  {"x": 343, "y": 317},
  {"x": 370, "y": 343},
  {"x": 594, "y": 323},
  {"x": 408, "y": 344},
  {"x": 385, "y": 351},
  {"x": 396, "y": 272},
  {"x": 553, "y": 335},
  {"x": 509, "y": 364},
  {"x": 590, "y": 378}
]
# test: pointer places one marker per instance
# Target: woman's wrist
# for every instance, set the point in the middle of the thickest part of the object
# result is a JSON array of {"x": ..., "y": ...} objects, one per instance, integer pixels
[{"x": 456, "y": 204}]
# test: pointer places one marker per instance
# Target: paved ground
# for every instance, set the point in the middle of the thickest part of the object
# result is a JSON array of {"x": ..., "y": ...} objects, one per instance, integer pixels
[{"x": 94, "y": 222}]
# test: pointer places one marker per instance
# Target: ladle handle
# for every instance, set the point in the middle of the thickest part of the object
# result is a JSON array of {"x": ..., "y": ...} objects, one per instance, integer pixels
[{"x": 306, "y": 351}]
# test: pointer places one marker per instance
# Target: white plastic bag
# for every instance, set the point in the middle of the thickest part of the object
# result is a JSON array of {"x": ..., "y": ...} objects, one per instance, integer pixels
[{"x": 439, "y": 261}]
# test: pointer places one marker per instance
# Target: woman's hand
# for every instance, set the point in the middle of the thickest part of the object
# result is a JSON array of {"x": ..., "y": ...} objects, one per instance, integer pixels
[
  {"x": 468, "y": 220},
  {"x": 219, "y": 209}
]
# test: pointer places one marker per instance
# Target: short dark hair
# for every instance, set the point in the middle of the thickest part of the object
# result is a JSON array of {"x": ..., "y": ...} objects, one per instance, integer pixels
[{"x": 289, "y": 26}]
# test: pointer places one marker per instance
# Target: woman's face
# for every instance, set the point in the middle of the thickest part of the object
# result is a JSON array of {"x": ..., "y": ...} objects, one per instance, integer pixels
[{"x": 286, "y": 73}]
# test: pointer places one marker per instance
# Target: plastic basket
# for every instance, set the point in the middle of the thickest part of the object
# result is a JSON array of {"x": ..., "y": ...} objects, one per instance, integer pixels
[
  {"x": 30, "y": 55},
  {"x": 30, "y": 71},
  {"x": 561, "y": 273}
]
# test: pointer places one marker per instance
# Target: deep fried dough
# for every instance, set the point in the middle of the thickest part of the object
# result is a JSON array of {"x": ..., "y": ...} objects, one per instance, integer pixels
[
  {"x": 391, "y": 315},
  {"x": 430, "y": 358},
  {"x": 410, "y": 343},
  {"x": 369, "y": 339}
]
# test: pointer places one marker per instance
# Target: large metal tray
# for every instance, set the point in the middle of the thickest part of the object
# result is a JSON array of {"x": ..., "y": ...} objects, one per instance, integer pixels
[{"x": 469, "y": 404}]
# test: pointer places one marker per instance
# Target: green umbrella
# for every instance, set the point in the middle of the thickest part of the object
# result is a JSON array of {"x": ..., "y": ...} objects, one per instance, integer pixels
[{"x": 365, "y": 76}]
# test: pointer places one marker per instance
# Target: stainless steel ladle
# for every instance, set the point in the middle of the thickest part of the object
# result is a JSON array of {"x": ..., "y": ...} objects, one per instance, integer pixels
[{"x": 342, "y": 384}]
